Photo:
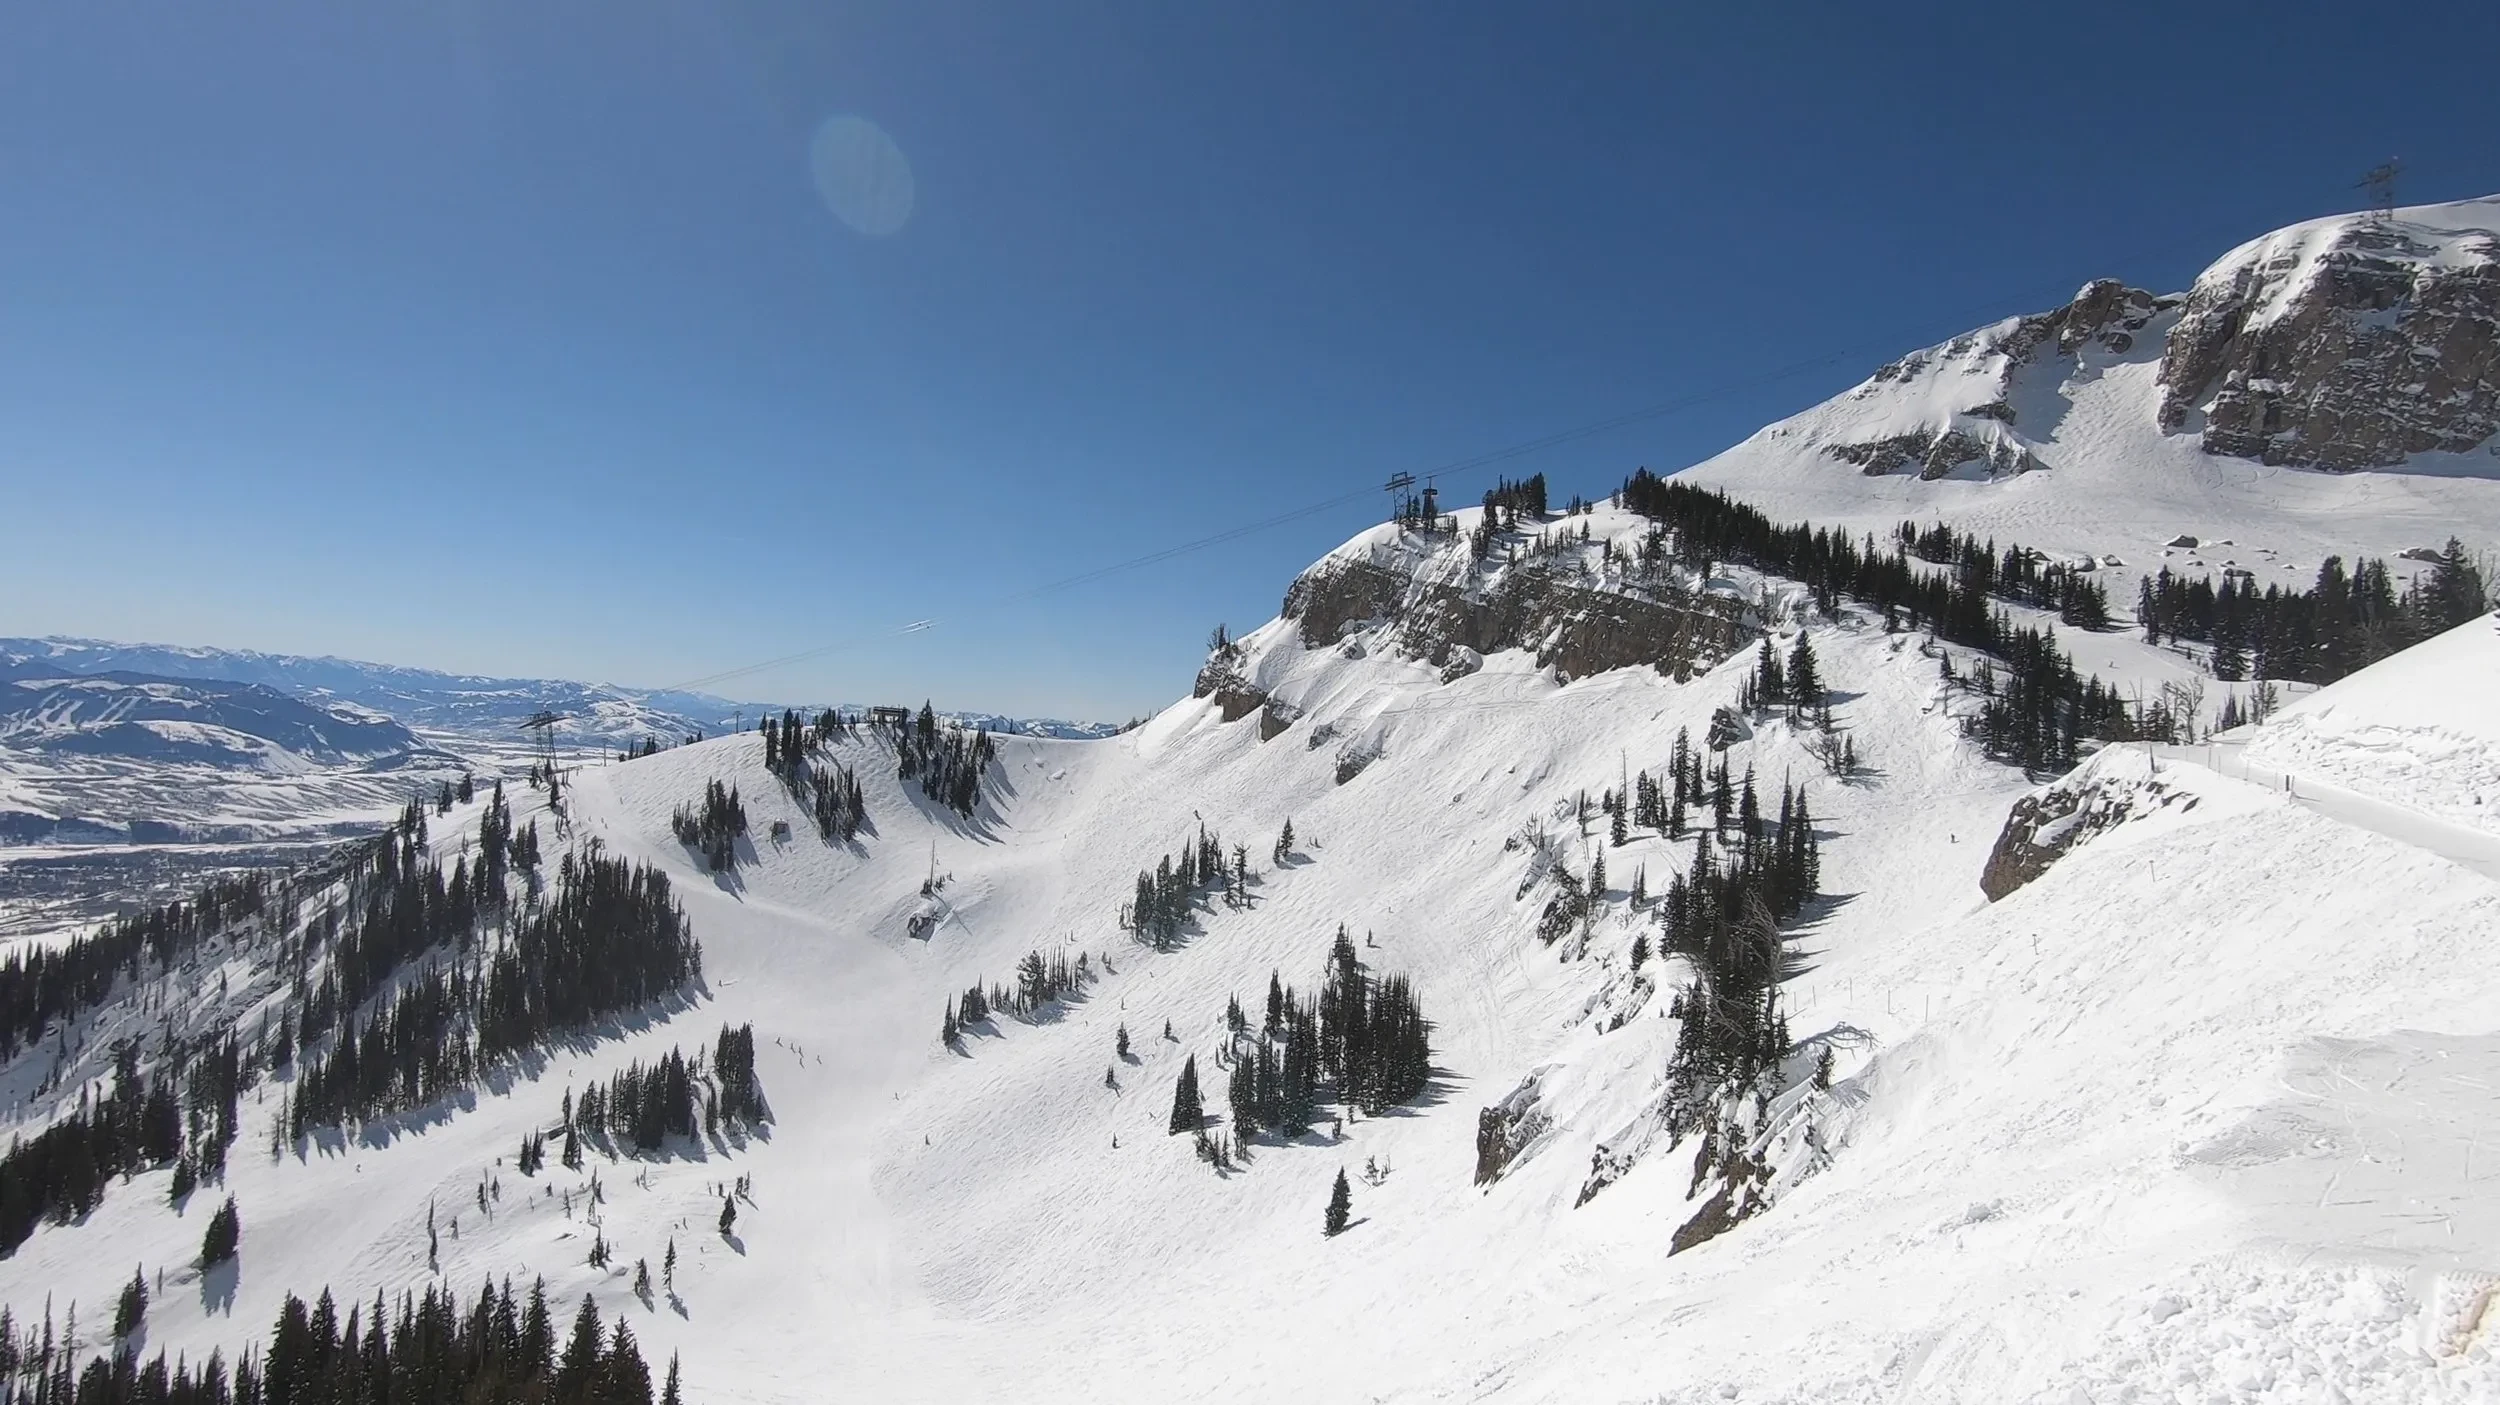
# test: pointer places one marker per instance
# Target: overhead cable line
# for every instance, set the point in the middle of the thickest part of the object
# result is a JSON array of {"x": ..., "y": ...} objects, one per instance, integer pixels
[{"x": 1463, "y": 470}]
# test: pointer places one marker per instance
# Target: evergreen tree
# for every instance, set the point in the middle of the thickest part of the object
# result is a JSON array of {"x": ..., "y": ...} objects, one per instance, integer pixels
[
  {"x": 224, "y": 1237},
  {"x": 1805, "y": 680},
  {"x": 1340, "y": 1205},
  {"x": 1187, "y": 1115},
  {"x": 133, "y": 1307},
  {"x": 1119, "y": 1040},
  {"x": 728, "y": 1214}
]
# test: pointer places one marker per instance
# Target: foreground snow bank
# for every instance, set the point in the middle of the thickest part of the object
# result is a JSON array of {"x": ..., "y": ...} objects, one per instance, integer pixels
[{"x": 2421, "y": 729}]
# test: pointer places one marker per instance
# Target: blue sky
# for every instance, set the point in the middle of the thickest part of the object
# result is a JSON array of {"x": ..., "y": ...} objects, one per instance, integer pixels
[{"x": 523, "y": 339}]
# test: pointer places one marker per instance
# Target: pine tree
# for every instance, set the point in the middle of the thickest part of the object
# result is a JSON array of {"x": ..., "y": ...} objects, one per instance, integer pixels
[
  {"x": 133, "y": 1308},
  {"x": 1187, "y": 1114},
  {"x": 728, "y": 1214},
  {"x": 1119, "y": 1040},
  {"x": 224, "y": 1237},
  {"x": 668, "y": 1272},
  {"x": 669, "y": 1392},
  {"x": 1340, "y": 1205},
  {"x": 1284, "y": 842},
  {"x": 1805, "y": 680}
]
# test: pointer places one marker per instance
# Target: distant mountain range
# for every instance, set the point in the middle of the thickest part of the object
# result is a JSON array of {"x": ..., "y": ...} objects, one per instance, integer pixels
[
  {"x": 144, "y": 716},
  {"x": 595, "y": 714}
]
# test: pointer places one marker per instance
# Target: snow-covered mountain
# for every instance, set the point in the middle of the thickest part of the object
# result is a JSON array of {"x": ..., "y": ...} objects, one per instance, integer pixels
[
  {"x": 2162, "y": 1079},
  {"x": 117, "y": 757},
  {"x": 141, "y": 717},
  {"x": 2329, "y": 389},
  {"x": 2066, "y": 1144}
]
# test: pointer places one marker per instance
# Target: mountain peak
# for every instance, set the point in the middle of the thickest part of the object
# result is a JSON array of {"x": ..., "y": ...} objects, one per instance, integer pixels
[{"x": 2345, "y": 343}]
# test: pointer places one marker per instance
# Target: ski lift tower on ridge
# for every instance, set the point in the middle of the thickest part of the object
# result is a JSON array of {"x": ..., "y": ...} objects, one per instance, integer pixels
[
  {"x": 1399, "y": 488},
  {"x": 542, "y": 727},
  {"x": 2380, "y": 181}
]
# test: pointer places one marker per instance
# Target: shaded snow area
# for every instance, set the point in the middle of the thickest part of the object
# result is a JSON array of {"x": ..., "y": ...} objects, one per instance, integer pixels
[
  {"x": 2204, "y": 1112},
  {"x": 2421, "y": 730}
]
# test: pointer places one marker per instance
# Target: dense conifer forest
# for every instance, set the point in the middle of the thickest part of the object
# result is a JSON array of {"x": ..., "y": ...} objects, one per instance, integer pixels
[{"x": 501, "y": 1347}]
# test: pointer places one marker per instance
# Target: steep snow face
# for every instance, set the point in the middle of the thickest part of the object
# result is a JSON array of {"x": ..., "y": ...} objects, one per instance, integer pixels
[
  {"x": 2065, "y": 1153},
  {"x": 2421, "y": 730},
  {"x": 2088, "y": 430}
]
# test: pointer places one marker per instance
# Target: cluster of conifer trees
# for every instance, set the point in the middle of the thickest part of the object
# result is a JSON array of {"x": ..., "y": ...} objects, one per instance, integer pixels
[
  {"x": 2024, "y": 576},
  {"x": 186, "y": 1114},
  {"x": 949, "y": 762},
  {"x": 1524, "y": 498},
  {"x": 1796, "y": 685},
  {"x": 2037, "y": 719},
  {"x": 611, "y": 938},
  {"x": 642, "y": 1107},
  {"x": 714, "y": 828},
  {"x": 1039, "y": 981},
  {"x": 1365, "y": 1038},
  {"x": 830, "y": 792},
  {"x": 501, "y": 849},
  {"x": 1724, "y": 917},
  {"x": 502, "y": 1347},
  {"x": 2342, "y": 623},
  {"x": 1504, "y": 504},
  {"x": 42, "y": 984},
  {"x": 1168, "y": 892},
  {"x": 832, "y": 795}
]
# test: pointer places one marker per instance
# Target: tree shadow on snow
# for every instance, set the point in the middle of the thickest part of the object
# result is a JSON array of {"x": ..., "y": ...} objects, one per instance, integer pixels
[
  {"x": 218, "y": 1284},
  {"x": 507, "y": 1075},
  {"x": 1438, "y": 1089}
]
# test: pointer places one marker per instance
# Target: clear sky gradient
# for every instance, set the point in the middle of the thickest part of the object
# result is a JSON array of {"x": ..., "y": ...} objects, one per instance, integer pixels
[{"x": 635, "y": 342}]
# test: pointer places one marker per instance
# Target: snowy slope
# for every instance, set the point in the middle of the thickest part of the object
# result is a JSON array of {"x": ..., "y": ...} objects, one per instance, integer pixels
[
  {"x": 2075, "y": 1154},
  {"x": 2421, "y": 729},
  {"x": 2053, "y": 430}
]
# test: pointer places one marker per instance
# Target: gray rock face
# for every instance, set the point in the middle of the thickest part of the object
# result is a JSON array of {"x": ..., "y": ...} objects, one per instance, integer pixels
[
  {"x": 1235, "y": 697},
  {"x": 1936, "y": 454},
  {"x": 2053, "y": 821},
  {"x": 2022, "y": 853},
  {"x": 1572, "y": 628},
  {"x": 2342, "y": 345}
]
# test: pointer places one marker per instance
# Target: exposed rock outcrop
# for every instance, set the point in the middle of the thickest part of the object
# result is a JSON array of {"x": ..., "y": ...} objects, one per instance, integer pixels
[
  {"x": 1938, "y": 454},
  {"x": 2114, "y": 787},
  {"x": 2344, "y": 344},
  {"x": 1570, "y": 625},
  {"x": 1506, "y": 1130},
  {"x": 1235, "y": 696}
]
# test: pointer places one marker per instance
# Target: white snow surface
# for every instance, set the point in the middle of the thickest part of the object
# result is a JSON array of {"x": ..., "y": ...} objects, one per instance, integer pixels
[
  {"x": 2421, "y": 729},
  {"x": 2194, "y": 1116}
]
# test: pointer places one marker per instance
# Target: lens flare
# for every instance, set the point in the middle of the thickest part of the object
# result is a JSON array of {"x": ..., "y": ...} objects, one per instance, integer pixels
[{"x": 861, "y": 175}]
